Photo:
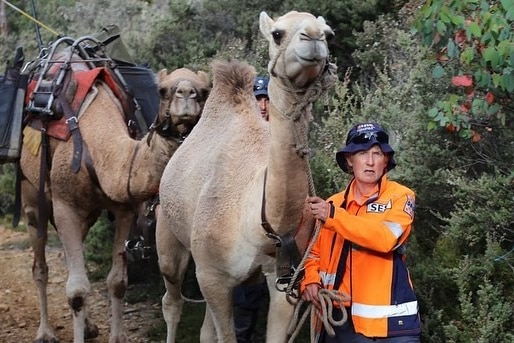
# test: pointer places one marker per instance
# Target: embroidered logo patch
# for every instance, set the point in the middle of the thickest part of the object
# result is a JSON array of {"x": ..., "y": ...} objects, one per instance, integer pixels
[
  {"x": 410, "y": 205},
  {"x": 375, "y": 207}
]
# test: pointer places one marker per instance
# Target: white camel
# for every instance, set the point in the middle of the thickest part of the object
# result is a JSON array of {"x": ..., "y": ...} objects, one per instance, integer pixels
[
  {"x": 117, "y": 172},
  {"x": 214, "y": 187}
]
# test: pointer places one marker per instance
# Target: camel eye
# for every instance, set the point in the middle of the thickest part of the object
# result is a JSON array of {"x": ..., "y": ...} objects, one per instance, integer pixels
[
  {"x": 162, "y": 92},
  {"x": 277, "y": 36}
]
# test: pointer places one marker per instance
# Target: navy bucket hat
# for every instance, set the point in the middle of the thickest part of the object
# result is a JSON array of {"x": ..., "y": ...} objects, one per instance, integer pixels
[
  {"x": 362, "y": 137},
  {"x": 260, "y": 86}
]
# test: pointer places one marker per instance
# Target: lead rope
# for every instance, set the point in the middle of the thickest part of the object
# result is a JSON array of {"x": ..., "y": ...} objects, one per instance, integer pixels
[
  {"x": 326, "y": 296},
  {"x": 320, "y": 87}
]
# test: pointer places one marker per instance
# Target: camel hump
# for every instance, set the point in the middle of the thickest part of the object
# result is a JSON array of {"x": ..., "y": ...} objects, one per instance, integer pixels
[{"x": 233, "y": 79}]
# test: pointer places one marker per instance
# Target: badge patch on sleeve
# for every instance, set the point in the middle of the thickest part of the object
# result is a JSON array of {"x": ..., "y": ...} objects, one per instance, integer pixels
[
  {"x": 376, "y": 207},
  {"x": 410, "y": 205}
]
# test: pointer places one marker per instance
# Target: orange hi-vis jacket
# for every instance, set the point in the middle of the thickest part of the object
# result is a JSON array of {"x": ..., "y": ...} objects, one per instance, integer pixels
[{"x": 372, "y": 269}]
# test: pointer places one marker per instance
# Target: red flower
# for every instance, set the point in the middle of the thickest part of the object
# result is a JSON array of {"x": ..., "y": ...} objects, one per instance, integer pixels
[
  {"x": 489, "y": 97},
  {"x": 462, "y": 81}
]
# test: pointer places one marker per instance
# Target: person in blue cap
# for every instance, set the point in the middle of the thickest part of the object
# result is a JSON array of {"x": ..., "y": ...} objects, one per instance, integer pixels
[
  {"x": 260, "y": 90},
  {"x": 249, "y": 298},
  {"x": 361, "y": 248}
]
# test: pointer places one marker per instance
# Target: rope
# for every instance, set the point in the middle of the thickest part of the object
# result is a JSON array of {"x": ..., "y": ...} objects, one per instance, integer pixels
[
  {"x": 327, "y": 297},
  {"x": 193, "y": 301},
  {"x": 302, "y": 99},
  {"x": 30, "y": 17}
]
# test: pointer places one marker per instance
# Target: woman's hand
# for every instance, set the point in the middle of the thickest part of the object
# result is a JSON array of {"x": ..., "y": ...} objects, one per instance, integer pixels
[
  {"x": 311, "y": 294},
  {"x": 320, "y": 208}
]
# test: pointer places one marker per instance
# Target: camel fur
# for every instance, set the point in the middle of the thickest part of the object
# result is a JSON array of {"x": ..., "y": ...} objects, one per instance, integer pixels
[
  {"x": 117, "y": 173},
  {"x": 212, "y": 189}
]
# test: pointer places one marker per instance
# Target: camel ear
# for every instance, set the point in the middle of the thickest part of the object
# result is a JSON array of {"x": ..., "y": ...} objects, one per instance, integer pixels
[
  {"x": 265, "y": 24},
  {"x": 162, "y": 74},
  {"x": 322, "y": 20}
]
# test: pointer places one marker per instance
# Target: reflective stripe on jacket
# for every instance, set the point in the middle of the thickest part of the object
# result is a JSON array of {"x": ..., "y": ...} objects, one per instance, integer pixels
[{"x": 375, "y": 275}]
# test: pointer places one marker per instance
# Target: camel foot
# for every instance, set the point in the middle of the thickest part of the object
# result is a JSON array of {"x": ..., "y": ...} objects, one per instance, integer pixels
[{"x": 91, "y": 331}]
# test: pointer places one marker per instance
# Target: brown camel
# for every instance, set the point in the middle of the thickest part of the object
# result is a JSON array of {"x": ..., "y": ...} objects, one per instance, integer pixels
[
  {"x": 117, "y": 173},
  {"x": 213, "y": 189}
]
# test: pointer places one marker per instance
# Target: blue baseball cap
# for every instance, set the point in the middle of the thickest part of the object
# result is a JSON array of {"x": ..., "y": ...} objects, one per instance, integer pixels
[
  {"x": 362, "y": 137},
  {"x": 260, "y": 86}
]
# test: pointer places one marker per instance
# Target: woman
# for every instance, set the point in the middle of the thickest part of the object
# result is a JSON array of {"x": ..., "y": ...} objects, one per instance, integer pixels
[{"x": 361, "y": 247}]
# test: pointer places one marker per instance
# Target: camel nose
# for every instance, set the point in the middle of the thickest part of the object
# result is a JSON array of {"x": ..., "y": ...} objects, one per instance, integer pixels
[{"x": 186, "y": 90}]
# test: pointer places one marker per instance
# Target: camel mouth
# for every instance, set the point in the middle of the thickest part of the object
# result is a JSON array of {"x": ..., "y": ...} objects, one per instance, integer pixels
[{"x": 310, "y": 61}]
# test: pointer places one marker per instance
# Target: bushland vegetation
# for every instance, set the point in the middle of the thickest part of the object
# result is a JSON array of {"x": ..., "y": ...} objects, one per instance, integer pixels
[{"x": 439, "y": 75}]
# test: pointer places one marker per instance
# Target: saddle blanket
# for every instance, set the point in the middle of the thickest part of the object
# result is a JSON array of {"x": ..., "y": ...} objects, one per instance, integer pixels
[{"x": 83, "y": 81}]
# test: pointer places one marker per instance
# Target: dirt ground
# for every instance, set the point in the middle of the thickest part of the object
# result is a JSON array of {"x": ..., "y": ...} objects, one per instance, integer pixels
[{"x": 19, "y": 306}]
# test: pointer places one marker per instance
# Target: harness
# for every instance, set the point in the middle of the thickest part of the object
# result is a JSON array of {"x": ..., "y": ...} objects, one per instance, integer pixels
[{"x": 61, "y": 78}]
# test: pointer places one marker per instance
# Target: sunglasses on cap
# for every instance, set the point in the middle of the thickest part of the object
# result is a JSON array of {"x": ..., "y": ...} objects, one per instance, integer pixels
[{"x": 365, "y": 137}]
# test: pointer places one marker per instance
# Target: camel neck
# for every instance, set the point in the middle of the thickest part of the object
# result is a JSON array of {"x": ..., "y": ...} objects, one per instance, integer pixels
[{"x": 287, "y": 183}]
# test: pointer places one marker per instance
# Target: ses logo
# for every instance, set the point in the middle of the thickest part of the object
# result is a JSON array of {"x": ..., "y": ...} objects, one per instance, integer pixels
[{"x": 378, "y": 208}]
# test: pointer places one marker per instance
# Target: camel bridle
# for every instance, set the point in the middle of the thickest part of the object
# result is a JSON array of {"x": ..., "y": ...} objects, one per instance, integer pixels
[{"x": 164, "y": 128}]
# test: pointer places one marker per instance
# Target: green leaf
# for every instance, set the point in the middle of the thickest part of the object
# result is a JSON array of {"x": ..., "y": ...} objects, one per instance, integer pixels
[
  {"x": 510, "y": 13},
  {"x": 441, "y": 27},
  {"x": 507, "y": 4},
  {"x": 504, "y": 35},
  {"x": 431, "y": 126},
  {"x": 493, "y": 109},
  {"x": 445, "y": 15},
  {"x": 467, "y": 55},
  {"x": 438, "y": 71},
  {"x": 483, "y": 78},
  {"x": 452, "y": 48},
  {"x": 504, "y": 47},
  {"x": 474, "y": 29},
  {"x": 477, "y": 106},
  {"x": 508, "y": 82},
  {"x": 432, "y": 113},
  {"x": 497, "y": 80},
  {"x": 458, "y": 20},
  {"x": 491, "y": 55}
]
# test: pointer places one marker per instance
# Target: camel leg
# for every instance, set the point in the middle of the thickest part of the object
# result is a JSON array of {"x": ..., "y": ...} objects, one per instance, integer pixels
[
  {"x": 219, "y": 297},
  {"x": 117, "y": 280},
  {"x": 173, "y": 262},
  {"x": 279, "y": 314},
  {"x": 45, "y": 333},
  {"x": 72, "y": 230},
  {"x": 208, "y": 331}
]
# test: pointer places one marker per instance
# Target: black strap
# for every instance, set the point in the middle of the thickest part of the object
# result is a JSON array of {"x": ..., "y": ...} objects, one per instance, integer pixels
[
  {"x": 17, "y": 197},
  {"x": 341, "y": 266},
  {"x": 43, "y": 172},
  {"x": 73, "y": 126}
]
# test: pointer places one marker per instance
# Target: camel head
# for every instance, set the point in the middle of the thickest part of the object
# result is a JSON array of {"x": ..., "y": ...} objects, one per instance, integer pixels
[
  {"x": 298, "y": 48},
  {"x": 183, "y": 94}
]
